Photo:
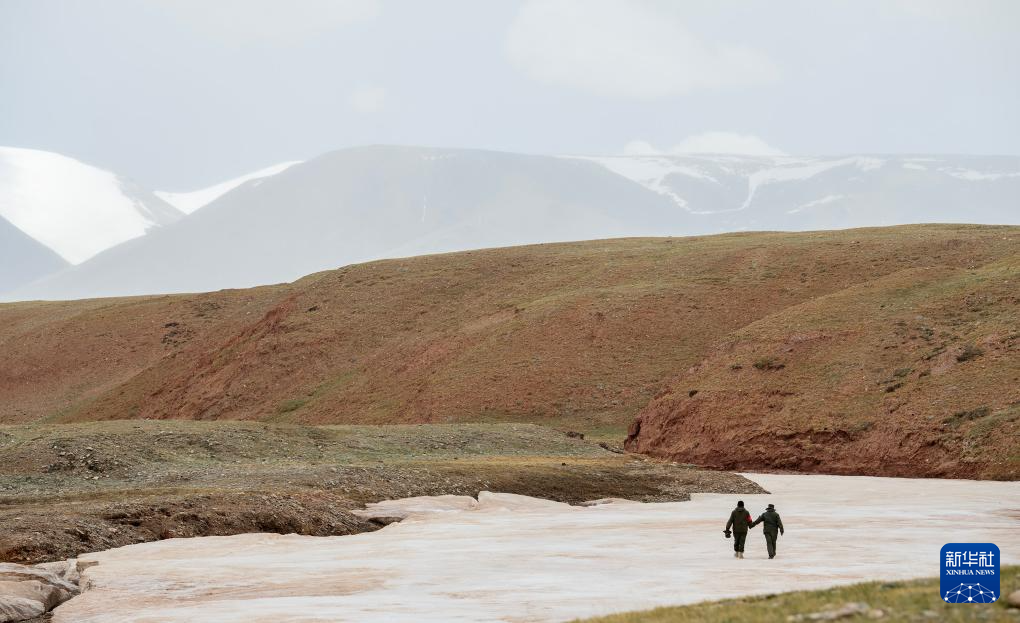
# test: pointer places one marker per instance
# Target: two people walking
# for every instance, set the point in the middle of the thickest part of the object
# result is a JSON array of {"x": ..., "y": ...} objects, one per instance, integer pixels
[{"x": 740, "y": 522}]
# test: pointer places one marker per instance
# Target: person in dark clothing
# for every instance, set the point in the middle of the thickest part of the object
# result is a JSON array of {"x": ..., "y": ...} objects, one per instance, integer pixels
[
  {"x": 739, "y": 520},
  {"x": 772, "y": 529}
]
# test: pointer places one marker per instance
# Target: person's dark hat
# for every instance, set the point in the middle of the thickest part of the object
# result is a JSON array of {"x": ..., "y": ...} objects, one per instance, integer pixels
[
  {"x": 740, "y": 503},
  {"x": 771, "y": 507}
]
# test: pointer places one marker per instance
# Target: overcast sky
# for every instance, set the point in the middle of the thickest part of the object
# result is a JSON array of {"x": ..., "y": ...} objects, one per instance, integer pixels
[{"x": 182, "y": 93}]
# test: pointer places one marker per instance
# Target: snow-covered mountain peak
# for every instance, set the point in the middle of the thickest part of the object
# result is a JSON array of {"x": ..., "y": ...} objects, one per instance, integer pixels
[
  {"x": 188, "y": 202},
  {"x": 75, "y": 209}
]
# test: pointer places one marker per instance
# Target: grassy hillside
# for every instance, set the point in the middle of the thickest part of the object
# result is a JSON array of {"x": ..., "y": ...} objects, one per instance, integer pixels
[
  {"x": 913, "y": 373},
  {"x": 886, "y": 601},
  {"x": 59, "y": 355},
  {"x": 580, "y": 335}
]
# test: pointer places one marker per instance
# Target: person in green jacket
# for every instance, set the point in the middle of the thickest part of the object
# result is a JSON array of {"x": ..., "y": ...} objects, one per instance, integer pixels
[
  {"x": 773, "y": 525},
  {"x": 739, "y": 520}
]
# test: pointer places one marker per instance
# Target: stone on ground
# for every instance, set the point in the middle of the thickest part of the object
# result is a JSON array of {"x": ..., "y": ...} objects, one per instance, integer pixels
[{"x": 27, "y": 592}]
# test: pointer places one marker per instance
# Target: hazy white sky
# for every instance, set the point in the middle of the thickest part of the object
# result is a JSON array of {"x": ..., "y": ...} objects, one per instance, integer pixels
[{"x": 182, "y": 93}]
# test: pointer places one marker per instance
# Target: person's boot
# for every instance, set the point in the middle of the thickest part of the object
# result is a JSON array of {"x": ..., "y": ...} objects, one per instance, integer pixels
[
  {"x": 736, "y": 554},
  {"x": 741, "y": 556}
]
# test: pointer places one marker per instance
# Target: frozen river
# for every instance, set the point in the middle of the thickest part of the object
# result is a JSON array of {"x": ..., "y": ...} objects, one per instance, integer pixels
[{"x": 518, "y": 559}]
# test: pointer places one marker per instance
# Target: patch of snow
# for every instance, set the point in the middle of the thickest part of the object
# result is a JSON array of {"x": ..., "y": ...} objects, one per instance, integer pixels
[
  {"x": 817, "y": 202},
  {"x": 651, "y": 172},
  {"x": 188, "y": 202},
  {"x": 75, "y": 209},
  {"x": 976, "y": 176},
  {"x": 869, "y": 164},
  {"x": 416, "y": 506},
  {"x": 774, "y": 161},
  {"x": 647, "y": 168},
  {"x": 914, "y": 166},
  {"x": 516, "y": 558},
  {"x": 795, "y": 172},
  {"x": 799, "y": 169}
]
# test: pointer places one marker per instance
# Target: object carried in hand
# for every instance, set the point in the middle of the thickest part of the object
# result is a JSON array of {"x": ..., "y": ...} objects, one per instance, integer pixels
[{"x": 726, "y": 533}]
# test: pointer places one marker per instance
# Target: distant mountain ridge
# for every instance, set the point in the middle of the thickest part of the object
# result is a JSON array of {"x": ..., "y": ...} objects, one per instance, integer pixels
[
  {"x": 368, "y": 203},
  {"x": 733, "y": 193},
  {"x": 365, "y": 203}
]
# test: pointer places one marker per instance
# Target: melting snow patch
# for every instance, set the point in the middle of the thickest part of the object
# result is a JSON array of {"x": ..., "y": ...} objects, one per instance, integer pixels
[
  {"x": 801, "y": 170},
  {"x": 511, "y": 557},
  {"x": 817, "y": 202},
  {"x": 869, "y": 164},
  {"x": 976, "y": 176}
]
